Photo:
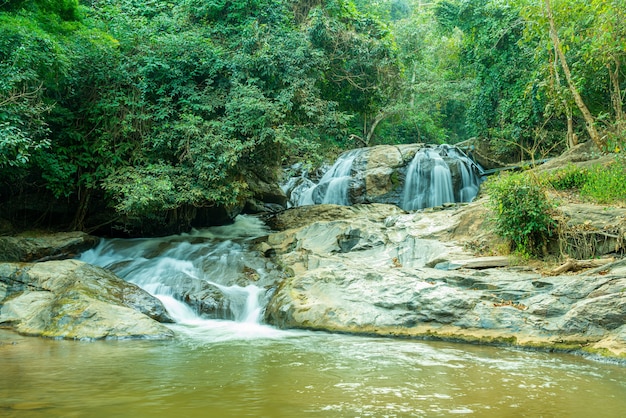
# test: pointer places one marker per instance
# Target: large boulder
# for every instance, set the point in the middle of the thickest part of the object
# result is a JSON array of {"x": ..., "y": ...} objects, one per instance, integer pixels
[
  {"x": 75, "y": 300},
  {"x": 31, "y": 246},
  {"x": 589, "y": 231},
  {"x": 575, "y": 312},
  {"x": 391, "y": 274}
]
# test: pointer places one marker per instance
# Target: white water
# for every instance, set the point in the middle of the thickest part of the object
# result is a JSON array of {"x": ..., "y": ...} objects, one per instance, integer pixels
[
  {"x": 471, "y": 175},
  {"x": 215, "y": 258},
  {"x": 334, "y": 184},
  {"x": 429, "y": 180}
]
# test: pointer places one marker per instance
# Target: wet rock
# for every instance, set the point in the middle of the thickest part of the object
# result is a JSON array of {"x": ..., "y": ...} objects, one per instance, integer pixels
[
  {"x": 304, "y": 215},
  {"x": 74, "y": 300}
]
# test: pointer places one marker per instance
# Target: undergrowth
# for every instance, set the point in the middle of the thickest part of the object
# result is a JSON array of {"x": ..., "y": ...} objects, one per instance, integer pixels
[
  {"x": 522, "y": 212},
  {"x": 603, "y": 184}
]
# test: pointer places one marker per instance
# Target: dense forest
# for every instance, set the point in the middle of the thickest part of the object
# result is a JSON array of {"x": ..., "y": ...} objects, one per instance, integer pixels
[{"x": 151, "y": 111}]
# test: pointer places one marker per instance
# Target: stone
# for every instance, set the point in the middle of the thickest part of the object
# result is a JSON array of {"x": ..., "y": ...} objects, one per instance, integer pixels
[
  {"x": 31, "y": 246},
  {"x": 75, "y": 300},
  {"x": 370, "y": 272}
]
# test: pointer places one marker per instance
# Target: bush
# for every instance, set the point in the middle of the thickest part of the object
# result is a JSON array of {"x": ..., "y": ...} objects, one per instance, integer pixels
[
  {"x": 522, "y": 213},
  {"x": 604, "y": 184}
]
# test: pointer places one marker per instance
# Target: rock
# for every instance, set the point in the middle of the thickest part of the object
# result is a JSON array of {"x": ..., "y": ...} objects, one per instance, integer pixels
[
  {"x": 582, "y": 155},
  {"x": 431, "y": 303},
  {"x": 32, "y": 247},
  {"x": 304, "y": 215},
  {"x": 382, "y": 162},
  {"x": 266, "y": 191},
  {"x": 590, "y": 231},
  {"x": 75, "y": 300},
  {"x": 367, "y": 273},
  {"x": 476, "y": 263}
]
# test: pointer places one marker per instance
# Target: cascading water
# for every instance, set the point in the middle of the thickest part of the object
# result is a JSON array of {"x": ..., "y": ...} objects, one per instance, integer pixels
[
  {"x": 429, "y": 179},
  {"x": 471, "y": 175},
  {"x": 200, "y": 277},
  {"x": 333, "y": 186},
  {"x": 434, "y": 176}
]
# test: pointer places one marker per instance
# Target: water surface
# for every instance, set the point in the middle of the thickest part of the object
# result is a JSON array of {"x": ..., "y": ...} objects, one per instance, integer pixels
[{"x": 217, "y": 370}]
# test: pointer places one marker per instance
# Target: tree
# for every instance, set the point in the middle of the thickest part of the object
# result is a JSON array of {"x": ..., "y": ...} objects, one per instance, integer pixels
[
  {"x": 361, "y": 65},
  {"x": 589, "y": 119},
  {"x": 584, "y": 42}
]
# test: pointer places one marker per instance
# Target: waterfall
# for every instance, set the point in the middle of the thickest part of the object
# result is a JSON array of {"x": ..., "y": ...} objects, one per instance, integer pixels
[
  {"x": 189, "y": 270},
  {"x": 434, "y": 176},
  {"x": 429, "y": 179},
  {"x": 471, "y": 175},
  {"x": 334, "y": 184}
]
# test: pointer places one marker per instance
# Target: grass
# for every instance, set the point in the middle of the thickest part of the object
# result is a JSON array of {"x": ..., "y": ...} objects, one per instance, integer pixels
[{"x": 601, "y": 184}]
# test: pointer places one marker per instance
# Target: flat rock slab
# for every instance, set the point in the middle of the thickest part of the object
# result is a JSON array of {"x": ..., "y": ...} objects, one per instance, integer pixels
[
  {"x": 372, "y": 273},
  {"x": 475, "y": 263}
]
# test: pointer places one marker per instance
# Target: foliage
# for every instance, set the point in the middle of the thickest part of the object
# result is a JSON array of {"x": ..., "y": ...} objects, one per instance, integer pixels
[
  {"x": 361, "y": 71},
  {"x": 183, "y": 98},
  {"x": 593, "y": 41},
  {"x": 522, "y": 212},
  {"x": 99, "y": 99}
]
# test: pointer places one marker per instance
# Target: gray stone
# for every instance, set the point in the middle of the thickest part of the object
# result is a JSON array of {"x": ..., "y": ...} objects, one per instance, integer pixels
[
  {"x": 370, "y": 273},
  {"x": 30, "y": 247}
]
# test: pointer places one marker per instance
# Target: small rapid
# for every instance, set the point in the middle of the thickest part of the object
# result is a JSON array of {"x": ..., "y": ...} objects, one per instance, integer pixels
[{"x": 211, "y": 282}]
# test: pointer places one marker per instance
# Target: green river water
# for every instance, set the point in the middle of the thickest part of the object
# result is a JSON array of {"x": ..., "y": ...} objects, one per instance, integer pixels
[{"x": 218, "y": 371}]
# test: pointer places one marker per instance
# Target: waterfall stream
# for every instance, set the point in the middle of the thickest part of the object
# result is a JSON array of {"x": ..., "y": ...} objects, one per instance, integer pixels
[
  {"x": 202, "y": 278},
  {"x": 434, "y": 176},
  {"x": 334, "y": 184},
  {"x": 430, "y": 180}
]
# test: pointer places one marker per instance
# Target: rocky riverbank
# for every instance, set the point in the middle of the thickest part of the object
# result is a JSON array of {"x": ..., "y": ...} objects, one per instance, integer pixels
[
  {"x": 364, "y": 269},
  {"x": 376, "y": 270},
  {"x": 70, "y": 299}
]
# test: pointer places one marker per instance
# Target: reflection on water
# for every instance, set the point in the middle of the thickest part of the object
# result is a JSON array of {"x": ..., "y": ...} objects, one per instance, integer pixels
[{"x": 215, "y": 369}]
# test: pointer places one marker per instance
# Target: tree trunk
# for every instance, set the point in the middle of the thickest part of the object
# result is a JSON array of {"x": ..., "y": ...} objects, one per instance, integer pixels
[
  {"x": 78, "y": 224},
  {"x": 370, "y": 132},
  {"x": 589, "y": 119},
  {"x": 616, "y": 93},
  {"x": 413, "y": 77},
  {"x": 572, "y": 139}
]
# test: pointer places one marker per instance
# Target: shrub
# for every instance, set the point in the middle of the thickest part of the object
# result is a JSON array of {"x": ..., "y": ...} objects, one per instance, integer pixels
[{"x": 522, "y": 212}]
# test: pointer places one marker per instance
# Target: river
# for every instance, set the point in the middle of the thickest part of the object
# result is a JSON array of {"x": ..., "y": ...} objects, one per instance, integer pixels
[{"x": 242, "y": 367}]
